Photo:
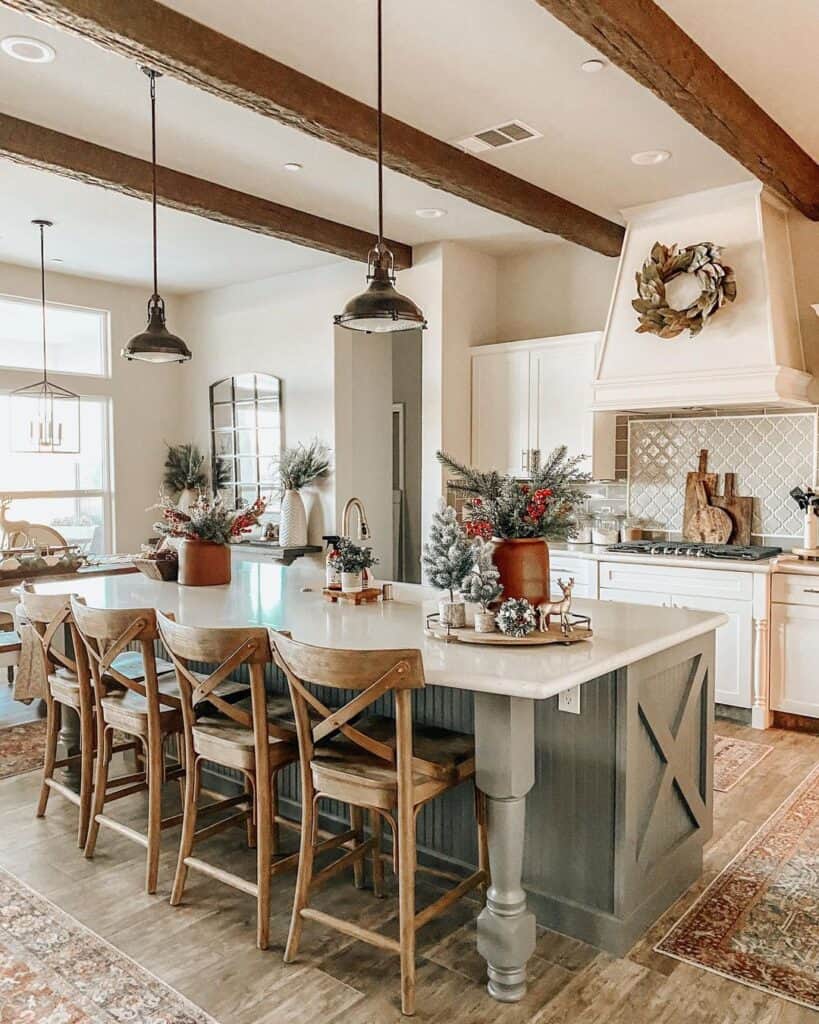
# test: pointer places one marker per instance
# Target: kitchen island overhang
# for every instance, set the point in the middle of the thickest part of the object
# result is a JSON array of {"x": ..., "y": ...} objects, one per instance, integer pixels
[{"x": 597, "y": 820}]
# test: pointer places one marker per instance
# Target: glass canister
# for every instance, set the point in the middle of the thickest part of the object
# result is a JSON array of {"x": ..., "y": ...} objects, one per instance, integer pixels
[
  {"x": 605, "y": 528},
  {"x": 580, "y": 530},
  {"x": 631, "y": 529}
]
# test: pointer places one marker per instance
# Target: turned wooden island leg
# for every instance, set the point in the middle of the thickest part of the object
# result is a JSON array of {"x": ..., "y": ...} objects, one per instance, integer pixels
[{"x": 505, "y": 772}]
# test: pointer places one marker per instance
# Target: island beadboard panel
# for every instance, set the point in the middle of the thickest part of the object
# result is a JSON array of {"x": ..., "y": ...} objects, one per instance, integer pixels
[{"x": 770, "y": 454}]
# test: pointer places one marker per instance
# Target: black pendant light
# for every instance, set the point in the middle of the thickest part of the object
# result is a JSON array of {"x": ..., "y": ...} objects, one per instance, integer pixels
[
  {"x": 44, "y": 416},
  {"x": 381, "y": 308},
  {"x": 156, "y": 344}
]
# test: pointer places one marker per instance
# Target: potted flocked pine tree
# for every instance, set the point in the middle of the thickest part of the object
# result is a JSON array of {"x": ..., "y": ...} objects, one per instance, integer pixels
[
  {"x": 447, "y": 559},
  {"x": 481, "y": 585}
]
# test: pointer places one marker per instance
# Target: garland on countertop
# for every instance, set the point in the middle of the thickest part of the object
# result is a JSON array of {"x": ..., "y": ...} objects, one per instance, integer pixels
[{"x": 704, "y": 262}]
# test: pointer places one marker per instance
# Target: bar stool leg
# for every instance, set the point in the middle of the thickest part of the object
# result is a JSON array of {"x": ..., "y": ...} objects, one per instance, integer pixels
[
  {"x": 86, "y": 774},
  {"x": 250, "y": 823},
  {"x": 305, "y": 873},
  {"x": 377, "y": 828},
  {"x": 155, "y": 778},
  {"x": 52, "y": 736},
  {"x": 104, "y": 743},
  {"x": 406, "y": 905},
  {"x": 483, "y": 838},
  {"x": 357, "y": 824},
  {"x": 264, "y": 841},
  {"x": 194, "y": 766}
]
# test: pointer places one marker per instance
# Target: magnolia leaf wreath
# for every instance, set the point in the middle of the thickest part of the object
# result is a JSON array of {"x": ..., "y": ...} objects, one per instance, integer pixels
[{"x": 704, "y": 262}]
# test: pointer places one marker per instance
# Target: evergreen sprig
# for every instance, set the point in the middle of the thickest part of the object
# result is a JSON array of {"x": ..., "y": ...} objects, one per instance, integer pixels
[
  {"x": 184, "y": 469},
  {"x": 511, "y": 509},
  {"x": 301, "y": 465},
  {"x": 448, "y": 554}
]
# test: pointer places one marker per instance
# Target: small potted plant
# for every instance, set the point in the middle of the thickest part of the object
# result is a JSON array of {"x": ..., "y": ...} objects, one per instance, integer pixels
[
  {"x": 299, "y": 467},
  {"x": 353, "y": 561},
  {"x": 481, "y": 586},
  {"x": 185, "y": 474},
  {"x": 205, "y": 530},
  {"x": 447, "y": 560}
]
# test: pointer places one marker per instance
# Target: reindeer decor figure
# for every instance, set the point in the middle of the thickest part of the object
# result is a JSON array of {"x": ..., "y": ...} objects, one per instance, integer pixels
[{"x": 561, "y": 608}]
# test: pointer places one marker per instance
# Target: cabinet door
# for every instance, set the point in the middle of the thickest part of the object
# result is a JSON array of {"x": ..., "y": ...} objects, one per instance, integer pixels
[
  {"x": 794, "y": 659},
  {"x": 656, "y": 598},
  {"x": 562, "y": 374},
  {"x": 500, "y": 411},
  {"x": 734, "y": 654}
]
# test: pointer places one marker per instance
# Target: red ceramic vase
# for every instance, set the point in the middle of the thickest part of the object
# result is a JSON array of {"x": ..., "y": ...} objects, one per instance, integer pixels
[
  {"x": 524, "y": 568},
  {"x": 203, "y": 563}
]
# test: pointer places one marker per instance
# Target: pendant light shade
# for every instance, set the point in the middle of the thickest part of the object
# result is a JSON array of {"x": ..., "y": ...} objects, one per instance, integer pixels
[
  {"x": 381, "y": 308},
  {"x": 44, "y": 416},
  {"x": 155, "y": 344}
]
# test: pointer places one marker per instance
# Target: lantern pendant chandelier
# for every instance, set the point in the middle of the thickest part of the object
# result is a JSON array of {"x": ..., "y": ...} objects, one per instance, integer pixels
[
  {"x": 381, "y": 308},
  {"x": 155, "y": 344},
  {"x": 44, "y": 416}
]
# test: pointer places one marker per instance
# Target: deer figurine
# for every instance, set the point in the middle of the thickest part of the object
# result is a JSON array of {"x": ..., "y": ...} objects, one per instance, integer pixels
[
  {"x": 11, "y": 528},
  {"x": 561, "y": 608}
]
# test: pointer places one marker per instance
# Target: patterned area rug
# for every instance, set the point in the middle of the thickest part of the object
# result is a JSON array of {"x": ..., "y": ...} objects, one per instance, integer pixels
[
  {"x": 758, "y": 921},
  {"x": 53, "y": 970},
  {"x": 733, "y": 759},
  {"x": 21, "y": 748}
]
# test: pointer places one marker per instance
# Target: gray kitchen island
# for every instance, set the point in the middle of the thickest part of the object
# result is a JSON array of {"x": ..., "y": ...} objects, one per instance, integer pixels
[{"x": 597, "y": 819}]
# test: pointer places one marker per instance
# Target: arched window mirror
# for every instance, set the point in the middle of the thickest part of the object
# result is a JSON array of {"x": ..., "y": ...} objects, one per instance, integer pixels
[{"x": 246, "y": 437}]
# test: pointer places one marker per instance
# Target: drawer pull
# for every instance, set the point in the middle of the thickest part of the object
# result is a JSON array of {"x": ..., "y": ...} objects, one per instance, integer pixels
[{"x": 810, "y": 590}]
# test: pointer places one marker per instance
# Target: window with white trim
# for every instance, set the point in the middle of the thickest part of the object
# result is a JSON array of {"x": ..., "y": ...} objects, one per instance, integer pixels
[{"x": 77, "y": 337}]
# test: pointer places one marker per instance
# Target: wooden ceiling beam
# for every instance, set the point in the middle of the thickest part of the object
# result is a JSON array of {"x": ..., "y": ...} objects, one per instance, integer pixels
[
  {"x": 35, "y": 146},
  {"x": 639, "y": 37},
  {"x": 150, "y": 33}
]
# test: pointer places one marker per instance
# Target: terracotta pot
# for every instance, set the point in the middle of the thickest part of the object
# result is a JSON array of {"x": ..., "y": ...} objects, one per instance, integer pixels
[
  {"x": 524, "y": 568},
  {"x": 203, "y": 563}
]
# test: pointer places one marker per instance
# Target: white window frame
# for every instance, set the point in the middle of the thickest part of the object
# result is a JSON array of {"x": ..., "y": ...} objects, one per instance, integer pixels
[{"x": 104, "y": 374}]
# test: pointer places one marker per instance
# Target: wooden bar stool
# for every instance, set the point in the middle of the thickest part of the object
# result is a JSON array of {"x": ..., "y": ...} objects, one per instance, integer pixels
[
  {"x": 372, "y": 764},
  {"x": 10, "y": 645},
  {"x": 68, "y": 685},
  {"x": 147, "y": 709},
  {"x": 256, "y": 740}
]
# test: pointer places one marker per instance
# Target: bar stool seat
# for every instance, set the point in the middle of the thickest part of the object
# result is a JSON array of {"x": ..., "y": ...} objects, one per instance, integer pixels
[
  {"x": 128, "y": 711},
  {"x": 231, "y": 745},
  {"x": 65, "y": 687}
]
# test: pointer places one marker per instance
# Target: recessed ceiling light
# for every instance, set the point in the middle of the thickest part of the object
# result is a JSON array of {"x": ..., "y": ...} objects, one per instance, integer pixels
[
  {"x": 32, "y": 51},
  {"x": 649, "y": 157},
  {"x": 592, "y": 66},
  {"x": 430, "y": 213},
  {"x": 293, "y": 167}
]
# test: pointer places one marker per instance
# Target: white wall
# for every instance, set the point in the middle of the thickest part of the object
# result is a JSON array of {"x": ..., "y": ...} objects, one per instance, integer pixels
[
  {"x": 146, "y": 399},
  {"x": 558, "y": 288},
  {"x": 281, "y": 325}
]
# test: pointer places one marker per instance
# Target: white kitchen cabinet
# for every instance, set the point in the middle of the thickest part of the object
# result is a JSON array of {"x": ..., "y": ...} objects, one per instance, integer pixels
[
  {"x": 795, "y": 645},
  {"x": 528, "y": 397},
  {"x": 584, "y": 571},
  {"x": 734, "y": 654},
  {"x": 700, "y": 590}
]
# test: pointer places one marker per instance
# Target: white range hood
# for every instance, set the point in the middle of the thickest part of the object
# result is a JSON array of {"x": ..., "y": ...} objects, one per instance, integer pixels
[{"x": 751, "y": 353}]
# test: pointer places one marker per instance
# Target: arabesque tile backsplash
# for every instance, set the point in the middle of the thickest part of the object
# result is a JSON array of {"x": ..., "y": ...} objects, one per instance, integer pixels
[{"x": 769, "y": 452}]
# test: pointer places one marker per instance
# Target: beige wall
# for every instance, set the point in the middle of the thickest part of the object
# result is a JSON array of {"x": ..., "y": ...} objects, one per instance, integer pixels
[
  {"x": 556, "y": 289},
  {"x": 281, "y": 325},
  {"x": 146, "y": 399}
]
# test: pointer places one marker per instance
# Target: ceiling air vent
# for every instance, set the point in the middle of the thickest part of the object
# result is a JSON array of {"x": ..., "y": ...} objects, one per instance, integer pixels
[{"x": 502, "y": 135}]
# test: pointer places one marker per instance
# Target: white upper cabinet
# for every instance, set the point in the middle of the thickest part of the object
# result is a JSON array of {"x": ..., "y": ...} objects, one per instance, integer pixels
[{"x": 528, "y": 397}]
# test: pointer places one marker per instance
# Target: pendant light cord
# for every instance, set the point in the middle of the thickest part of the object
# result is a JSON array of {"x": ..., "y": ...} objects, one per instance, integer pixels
[
  {"x": 152, "y": 76},
  {"x": 43, "y": 299},
  {"x": 380, "y": 143}
]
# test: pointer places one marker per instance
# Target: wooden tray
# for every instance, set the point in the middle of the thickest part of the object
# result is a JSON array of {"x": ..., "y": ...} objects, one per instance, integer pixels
[
  {"x": 357, "y": 597},
  {"x": 537, "y": 639},
  {"x": 165, "y": 569}
]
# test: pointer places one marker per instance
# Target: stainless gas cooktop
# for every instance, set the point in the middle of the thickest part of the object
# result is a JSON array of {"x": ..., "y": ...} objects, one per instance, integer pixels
[{"x": 690, "y": 549}]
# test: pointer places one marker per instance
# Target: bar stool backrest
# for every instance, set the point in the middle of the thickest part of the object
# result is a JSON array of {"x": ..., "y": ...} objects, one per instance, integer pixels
[{"x": 49, "y": 615}]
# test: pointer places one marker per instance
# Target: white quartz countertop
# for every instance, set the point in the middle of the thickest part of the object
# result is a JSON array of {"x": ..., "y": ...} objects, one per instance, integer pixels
[{"x": 263, "y": 593}]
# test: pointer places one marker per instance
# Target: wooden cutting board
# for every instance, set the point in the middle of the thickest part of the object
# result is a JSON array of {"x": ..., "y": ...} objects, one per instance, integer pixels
[
  {"x": 740, "y": 509},
  {"x": 710, "y": 525},
  {"x": 709, "y": 482}
]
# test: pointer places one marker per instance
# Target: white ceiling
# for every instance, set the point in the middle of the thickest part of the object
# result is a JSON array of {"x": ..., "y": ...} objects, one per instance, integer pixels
[
  {"x": 450, "y": 69},
  {"x": 99, "y": 233}
]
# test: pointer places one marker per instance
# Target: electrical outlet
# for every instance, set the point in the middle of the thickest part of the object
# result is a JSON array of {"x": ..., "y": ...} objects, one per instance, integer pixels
[{"x": 569, "y": 700}]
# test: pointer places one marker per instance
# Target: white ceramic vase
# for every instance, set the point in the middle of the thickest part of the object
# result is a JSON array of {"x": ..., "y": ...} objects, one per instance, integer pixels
[
  {"x": 292, "y": 521},
  {"x": 452, "y": 613},
  {"x": 352, "y": 582},
  {"x": 187, "y": 498}
]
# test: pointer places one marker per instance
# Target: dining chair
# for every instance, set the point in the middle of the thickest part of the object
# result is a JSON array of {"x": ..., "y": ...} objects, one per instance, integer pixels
[
  {"x": 256, "y": 738},
  {"x": 373, "y": 763},
  {"x": 144, "y": 706}
]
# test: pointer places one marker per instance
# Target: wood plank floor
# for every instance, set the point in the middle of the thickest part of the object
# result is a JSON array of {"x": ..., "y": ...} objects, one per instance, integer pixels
[{"x": 205, "y": 948}]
